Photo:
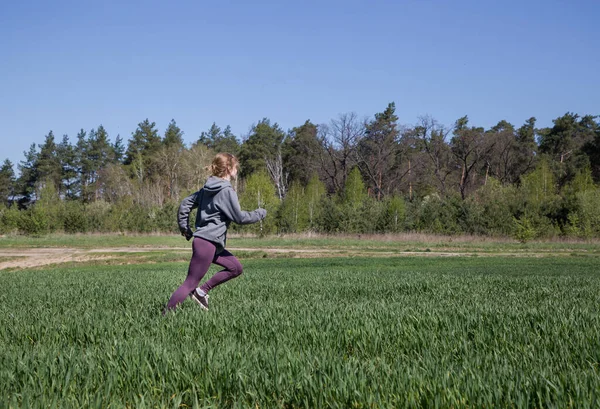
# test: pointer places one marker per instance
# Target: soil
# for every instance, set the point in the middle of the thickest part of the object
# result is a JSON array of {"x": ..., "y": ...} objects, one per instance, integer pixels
[{"x": 36, "y": 257}]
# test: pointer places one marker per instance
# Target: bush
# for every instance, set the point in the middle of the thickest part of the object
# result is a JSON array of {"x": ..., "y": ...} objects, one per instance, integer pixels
[
  {"x": 74, "y": 218},
  {"x": 494, "y": 207},
  {"x": 139, "y": 219},
  {"x": 98, "y": 215},
  {"x": 34, "y": 222},
  {"x": 531, "y": 225},
  {"x": 166, "y": 218},
  {"x": 434, "y": 215},
  {"x": 329, "y": 219},
  {"x": 392, "y": 215},
  {"x": 48, "y": 210},
  {"x": 524, "y": 230},
  {"x": 585, "y": 219},
  {"x": 9, "y": 219}
]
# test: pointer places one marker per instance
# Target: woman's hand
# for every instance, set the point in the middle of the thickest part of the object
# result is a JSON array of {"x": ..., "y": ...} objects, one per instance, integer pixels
[{"x": 188, "y": 234}]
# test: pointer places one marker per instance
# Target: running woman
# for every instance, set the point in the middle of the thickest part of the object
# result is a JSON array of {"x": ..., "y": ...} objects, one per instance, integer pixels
[{"x": 218, "y": 206}]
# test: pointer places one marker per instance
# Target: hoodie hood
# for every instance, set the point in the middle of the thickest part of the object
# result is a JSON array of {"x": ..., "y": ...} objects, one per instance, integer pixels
[{"x": 215, "y": 184}]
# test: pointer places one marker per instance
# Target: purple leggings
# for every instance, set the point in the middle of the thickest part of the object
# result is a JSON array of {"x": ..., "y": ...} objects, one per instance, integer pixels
[{"x": 202, "y": 256}]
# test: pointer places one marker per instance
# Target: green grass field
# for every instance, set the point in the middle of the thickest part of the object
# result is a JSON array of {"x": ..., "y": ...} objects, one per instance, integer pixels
[{"x": 337, "y": 332}]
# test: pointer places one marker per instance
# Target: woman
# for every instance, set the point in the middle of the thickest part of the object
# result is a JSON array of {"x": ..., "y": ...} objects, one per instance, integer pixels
[{"x": 218, "y": 206}]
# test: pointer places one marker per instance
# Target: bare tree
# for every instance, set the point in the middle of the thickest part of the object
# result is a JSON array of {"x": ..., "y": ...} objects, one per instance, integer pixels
[
  {"x": 149, "y": 194},
  {"x": 114, "y": 183},
  {"x": 277, "y": 173},
  {"x": 378, "y": 151},
  {"x": 339, "y": 140},
  {"x": 168, "y": 162},
  {"x": 193, "y": 172},
  {"x": 431, "y": 141},
  {"x": 469, "y": 147},
  {"x": 504, "y": 156}
]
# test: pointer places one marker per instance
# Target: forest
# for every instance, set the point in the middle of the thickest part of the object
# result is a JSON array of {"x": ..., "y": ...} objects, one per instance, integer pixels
[{"x": 351, "y": 175}]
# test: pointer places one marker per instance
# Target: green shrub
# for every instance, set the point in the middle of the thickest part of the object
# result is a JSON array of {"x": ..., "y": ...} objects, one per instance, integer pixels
[
  {"x": 34, "y": 222},
  {"x": 48, "y": 210},
  {"x": 98, "y": 215},
  {"x": 166, "y": 218},
  {"x": 573, "y": 228},
  {"x": 329, "y": 220},
  {"x": 496, "y": 206},
  {"x": 9, "y": 219},
  {"x": 75, "y": 219},
  {"x": 435, "y": 215},
  {"x": 139, "y": 219},
  {"x": 586, "y": 217},
  {"x": 524, "y": 230},
  {"x": 392, "y": 215}
]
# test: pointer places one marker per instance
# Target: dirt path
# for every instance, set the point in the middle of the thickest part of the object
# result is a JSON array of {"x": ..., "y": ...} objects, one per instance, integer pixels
[{"x": 36, "y": 257}]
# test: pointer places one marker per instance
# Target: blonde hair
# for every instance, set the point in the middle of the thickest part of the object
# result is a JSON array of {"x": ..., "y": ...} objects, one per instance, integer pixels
[{"x": 223, "y": 164}]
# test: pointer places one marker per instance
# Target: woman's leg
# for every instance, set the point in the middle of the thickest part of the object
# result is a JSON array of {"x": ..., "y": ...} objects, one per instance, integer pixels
[
  {"x": 232, "y": 266},
  {"x": 202, "y": 255}
]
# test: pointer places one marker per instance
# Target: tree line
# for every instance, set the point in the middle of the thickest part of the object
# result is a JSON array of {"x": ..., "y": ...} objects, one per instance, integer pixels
[{"x": 349, "y": 175}]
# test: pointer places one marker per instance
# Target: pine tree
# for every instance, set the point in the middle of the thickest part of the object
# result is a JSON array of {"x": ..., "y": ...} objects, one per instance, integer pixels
[
  {"x": 227, "y": 142},
  {"x": 302, "y": 151},
  {"x": 7, "y": 182},
  {"x": 220, "y": 141},
  {"x": 263, "y": 144},
  {"x": 28, "y": 174},
  {"x": 101, "y": 152},
  {"x": 144, "y": 142},
  {"x": 209, "y": 137},
  {"x": 68, "y": 162},
  {"x": 99, "y": 155},
  {"x": 83, "y": 165},
  {"x": 173, "y": 136},
  {"x": 118, "y": 150},
  {"x": 48, "y": 163}
]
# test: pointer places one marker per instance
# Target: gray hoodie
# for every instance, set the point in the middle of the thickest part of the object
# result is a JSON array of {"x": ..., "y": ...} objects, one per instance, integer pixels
[{"x": 218, "y": 207}]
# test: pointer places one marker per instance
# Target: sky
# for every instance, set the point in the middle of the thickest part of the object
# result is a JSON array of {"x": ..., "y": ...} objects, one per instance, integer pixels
[{"x": 71, "y": 65}]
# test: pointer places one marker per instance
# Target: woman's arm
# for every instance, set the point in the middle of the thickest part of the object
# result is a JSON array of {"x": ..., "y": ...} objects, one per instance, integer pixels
[
  {"x": 183, "y": 214},
  {"x": 232, "y": 210}
]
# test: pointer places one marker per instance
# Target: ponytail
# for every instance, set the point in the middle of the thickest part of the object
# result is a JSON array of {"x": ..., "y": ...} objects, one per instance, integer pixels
[{"x": 223, "y": 164}]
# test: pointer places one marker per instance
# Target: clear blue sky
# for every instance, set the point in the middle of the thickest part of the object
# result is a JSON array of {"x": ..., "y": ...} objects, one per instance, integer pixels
[{"x": 67, "y": 65}]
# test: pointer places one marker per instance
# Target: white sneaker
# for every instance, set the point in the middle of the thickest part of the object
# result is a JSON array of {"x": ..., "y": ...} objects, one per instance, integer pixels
[{"x": 200, "y": 297}]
